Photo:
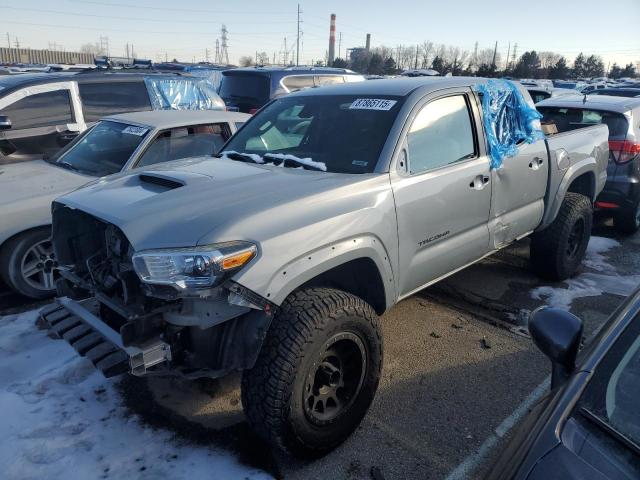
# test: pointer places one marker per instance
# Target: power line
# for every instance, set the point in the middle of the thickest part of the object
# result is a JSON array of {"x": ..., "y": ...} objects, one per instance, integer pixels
[
  {"x": 137, "y": 19},
  {"x": 190, "y": 10}
]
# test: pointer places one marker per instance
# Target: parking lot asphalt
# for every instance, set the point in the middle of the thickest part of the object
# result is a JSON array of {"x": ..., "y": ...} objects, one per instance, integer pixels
[{"x": 457, "y": 366}]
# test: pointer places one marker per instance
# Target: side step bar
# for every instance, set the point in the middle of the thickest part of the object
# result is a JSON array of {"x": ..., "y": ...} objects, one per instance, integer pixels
[{"x": 77, "y": 323}]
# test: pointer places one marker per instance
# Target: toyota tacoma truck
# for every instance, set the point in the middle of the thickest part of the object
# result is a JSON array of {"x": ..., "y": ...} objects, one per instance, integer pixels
[{"x": 328, "y": 207}]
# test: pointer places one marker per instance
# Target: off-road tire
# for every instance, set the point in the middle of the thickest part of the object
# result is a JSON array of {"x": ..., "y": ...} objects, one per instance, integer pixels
[
  {"x": 273, "y": 391},
  {"x": 627, "y": 221},
  {"x": 549, "y": 248},
  {"x": 10, "y": 259}
]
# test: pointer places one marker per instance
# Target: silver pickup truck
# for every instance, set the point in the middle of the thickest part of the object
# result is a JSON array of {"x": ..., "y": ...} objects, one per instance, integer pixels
[{"x": 327, "y": 208}]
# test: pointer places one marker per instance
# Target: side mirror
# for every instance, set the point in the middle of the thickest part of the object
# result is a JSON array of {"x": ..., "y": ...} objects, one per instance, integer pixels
[
  {"x": 557, "y": 334},
  {"x": 5, "y": 122}
]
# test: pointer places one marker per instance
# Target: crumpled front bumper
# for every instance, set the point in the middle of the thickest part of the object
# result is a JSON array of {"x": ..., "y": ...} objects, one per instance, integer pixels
[{"x": 77, "y": 322}]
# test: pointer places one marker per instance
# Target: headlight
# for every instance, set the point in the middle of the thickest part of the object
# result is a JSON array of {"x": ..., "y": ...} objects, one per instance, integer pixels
[{"x": 192, "y": 268}]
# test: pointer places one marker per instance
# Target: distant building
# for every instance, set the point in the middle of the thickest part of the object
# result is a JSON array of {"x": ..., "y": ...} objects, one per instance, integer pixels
[{"x": 28, "y": 55}]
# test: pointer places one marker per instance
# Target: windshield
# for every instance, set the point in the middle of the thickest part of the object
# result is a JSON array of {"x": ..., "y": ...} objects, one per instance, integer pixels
[
  {"x": 345, "y": 133},
  {"x": 253, "y": 89},
  {"x": 103, "y": 150}
]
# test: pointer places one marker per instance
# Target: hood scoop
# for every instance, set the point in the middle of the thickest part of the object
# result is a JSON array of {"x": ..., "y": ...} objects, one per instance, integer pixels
[{"x": 160, "y": 180}]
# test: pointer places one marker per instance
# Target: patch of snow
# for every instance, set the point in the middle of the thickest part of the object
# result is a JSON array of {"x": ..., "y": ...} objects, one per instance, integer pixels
[
  {"x": 62, "y": 419},
  {"x": 590, "y": 284},
  {"x": 304, "y": 161},
  {"x": 252, "y": 156},
  {"x": 594, "y": 258}
]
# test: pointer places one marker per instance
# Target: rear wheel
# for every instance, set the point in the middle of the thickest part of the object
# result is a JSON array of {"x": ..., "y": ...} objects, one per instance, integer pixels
[
  {"x": 317, "y": 372},
  {"x": 28, "y": 264},
  {"x": 627, "y": 221},
  {"x": 558, "y": 250}
]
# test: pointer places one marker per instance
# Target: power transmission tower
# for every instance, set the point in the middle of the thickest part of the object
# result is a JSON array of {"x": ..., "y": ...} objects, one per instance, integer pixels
[
  {"x": 206, "y": 54},
  {"x": 475, "y": 55},
  {"x": 224, "y": 47},
  {"x": 495, "y": 52},
  {"x": 339, "y": 45},
  {"x": 515, "y": 50},
  {"x": 298, "y": 40},
  {"x": 506, "y": 65},
  {"x": 104, "y": 45},
  {"x": 217, "y": 57},
  {"x": 17, "y": 43}
]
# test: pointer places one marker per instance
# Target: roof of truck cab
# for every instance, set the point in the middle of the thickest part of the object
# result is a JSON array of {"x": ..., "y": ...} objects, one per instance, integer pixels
[
  {"x": 597, "y": 102},
  {"x": 399, "y": 87},
  {"x": 178, "y": 118}
]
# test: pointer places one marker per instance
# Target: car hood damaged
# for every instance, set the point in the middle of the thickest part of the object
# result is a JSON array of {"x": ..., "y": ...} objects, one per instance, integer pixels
[{"x": 189, "y": 202}]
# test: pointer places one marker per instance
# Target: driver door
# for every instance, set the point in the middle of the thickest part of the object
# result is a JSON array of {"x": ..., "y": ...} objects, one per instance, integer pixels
[{"x": 442, "y": 189}]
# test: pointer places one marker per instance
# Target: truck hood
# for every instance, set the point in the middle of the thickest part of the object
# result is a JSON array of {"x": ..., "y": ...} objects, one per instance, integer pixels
[
  {"x": 26, "y": 180},
  {"x": 203, "y": 200}
]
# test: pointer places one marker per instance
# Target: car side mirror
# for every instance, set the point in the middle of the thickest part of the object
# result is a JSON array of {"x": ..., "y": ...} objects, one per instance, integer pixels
[
  {"x": 557, "y": 334},
  {"x": 5, "y": 122}
]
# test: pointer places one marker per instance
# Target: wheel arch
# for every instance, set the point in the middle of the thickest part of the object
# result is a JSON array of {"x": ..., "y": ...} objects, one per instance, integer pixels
[{"x": 359, "y": 265}]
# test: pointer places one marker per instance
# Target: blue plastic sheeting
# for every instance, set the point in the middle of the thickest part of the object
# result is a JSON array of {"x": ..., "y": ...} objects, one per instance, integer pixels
[
  {"x": 182, "y": 93},
  {"x": 508, "y": 119}
]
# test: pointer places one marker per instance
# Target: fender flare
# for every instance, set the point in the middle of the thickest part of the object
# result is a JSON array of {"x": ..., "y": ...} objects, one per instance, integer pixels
[
  {"x": 308, "y": 266},
  {"x": 587, "y": 165}
]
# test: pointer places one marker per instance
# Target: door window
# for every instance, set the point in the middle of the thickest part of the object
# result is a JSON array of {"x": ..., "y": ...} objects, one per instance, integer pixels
[
  {"x": 194, "y": 141},
  {"x": 298, "y": 82},
  {"x": 40, "y": 110},
  {"x": 611, "y": 398},
  {"x": 102, "y": 99},
  {"x": 441, "y": 135}
]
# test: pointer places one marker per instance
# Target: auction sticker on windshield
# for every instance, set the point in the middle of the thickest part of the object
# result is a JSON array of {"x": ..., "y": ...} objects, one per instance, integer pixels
[
  {"x": 139, "y": 131},
  {"x": 372, "y": 104}
]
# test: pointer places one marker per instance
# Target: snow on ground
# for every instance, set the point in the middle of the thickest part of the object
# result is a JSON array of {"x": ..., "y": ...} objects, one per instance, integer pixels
[
  {"x": 60, "y": 418},
  {"x": 589, "y": 284}
]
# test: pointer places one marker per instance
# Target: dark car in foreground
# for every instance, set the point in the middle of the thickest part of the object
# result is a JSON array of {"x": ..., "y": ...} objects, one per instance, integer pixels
[
  {"x": 248, "y": 89},
  {"x": 588, "y": 425},
  {"x": 621, "y": 194}
]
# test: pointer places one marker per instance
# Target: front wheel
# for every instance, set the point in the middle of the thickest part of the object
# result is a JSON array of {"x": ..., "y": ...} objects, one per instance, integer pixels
[
  {"x": 557, "y": 251},
  {"x": 317, "y": 372},
  {"x": 28, "y": 264}
]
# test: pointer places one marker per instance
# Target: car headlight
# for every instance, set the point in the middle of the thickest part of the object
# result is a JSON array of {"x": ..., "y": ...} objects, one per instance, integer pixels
[{"x": 192, "y": 268}]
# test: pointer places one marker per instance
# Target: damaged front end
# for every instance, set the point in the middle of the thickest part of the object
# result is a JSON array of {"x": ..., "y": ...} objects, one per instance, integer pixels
[{"x": 168, "y": 311}]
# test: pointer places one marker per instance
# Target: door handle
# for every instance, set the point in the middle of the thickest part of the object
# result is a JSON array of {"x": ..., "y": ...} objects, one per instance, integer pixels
[
  {"x": 536, "y": 163},
  {"x": 479, "y": 182}
]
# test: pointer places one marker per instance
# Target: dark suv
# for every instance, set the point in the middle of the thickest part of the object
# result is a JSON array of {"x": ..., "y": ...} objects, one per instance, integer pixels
[
  {"x": 248, "y": 89},
  {"x": 621, "y": 194},
  {"x": 41, "y": 113}
]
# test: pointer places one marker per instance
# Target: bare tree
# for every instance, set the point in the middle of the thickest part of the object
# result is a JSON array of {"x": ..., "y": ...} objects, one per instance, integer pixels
[
  {"x": 92, "y": 48},
  {"x": 547, "y": 59},
  {"x": 245, "y": 61},
  {"x": 263, "y": 58}
]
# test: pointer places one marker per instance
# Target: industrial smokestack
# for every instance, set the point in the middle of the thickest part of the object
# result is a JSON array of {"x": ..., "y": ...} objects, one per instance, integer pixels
[
  {"x": 332, "y": 41},
  {"x": 368, "y": 44}
]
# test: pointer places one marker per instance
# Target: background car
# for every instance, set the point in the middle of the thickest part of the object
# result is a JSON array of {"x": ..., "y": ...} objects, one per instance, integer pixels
[
  {"x": 41, "y": 113},
  {"x": 618, "y": 92},
  {"x": 539, "y": 93},
  {"x": 114, "y": 144},
  {"x": 588, "y": 425},
  {"x": 621, "y": 194},
  {"x": 248, "y": 89}
]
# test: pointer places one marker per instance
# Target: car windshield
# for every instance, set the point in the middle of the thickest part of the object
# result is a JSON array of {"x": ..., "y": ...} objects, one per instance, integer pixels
[
  {"x": 611, "y": 397},
  {"x": 246, "y": 88},
  {"x": 566, "y": 119},
  {"x": 103, "y": 150},
  {"x": 341, "y": 133}
]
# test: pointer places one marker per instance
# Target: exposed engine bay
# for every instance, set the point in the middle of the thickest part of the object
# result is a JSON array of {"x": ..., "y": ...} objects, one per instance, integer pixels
[{"x": 209, "y": 334}]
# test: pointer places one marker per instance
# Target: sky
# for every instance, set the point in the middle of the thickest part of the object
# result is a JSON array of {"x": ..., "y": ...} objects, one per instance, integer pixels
[{"x": 187, "y": 29}]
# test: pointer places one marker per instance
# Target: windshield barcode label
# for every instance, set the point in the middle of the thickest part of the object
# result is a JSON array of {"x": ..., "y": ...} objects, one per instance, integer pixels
[
  {"x": 372, "y": 104},
  {"x": 135, "y": 130}
]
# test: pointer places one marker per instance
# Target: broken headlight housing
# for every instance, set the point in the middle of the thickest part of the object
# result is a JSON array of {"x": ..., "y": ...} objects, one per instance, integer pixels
[{"x": 191, "y": 269}]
